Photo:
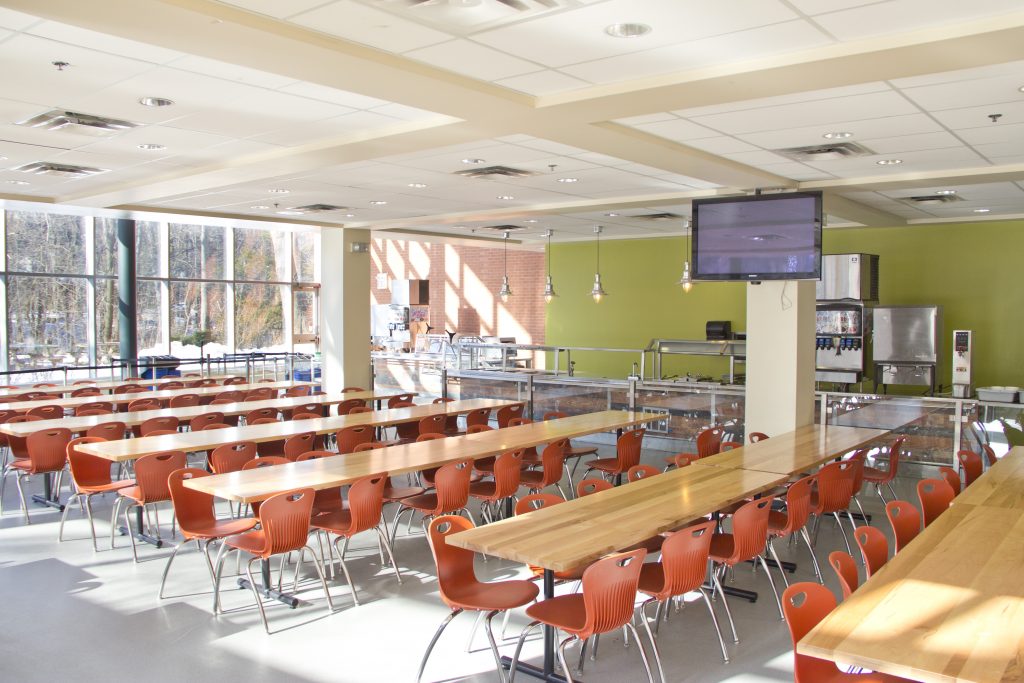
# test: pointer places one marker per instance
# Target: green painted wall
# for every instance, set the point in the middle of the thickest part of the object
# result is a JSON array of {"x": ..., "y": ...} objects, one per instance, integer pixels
[{"x": 974, "y": 270}]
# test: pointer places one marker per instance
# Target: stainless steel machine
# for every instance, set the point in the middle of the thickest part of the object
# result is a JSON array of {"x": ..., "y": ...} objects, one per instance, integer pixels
[
  {"x": 906, "y": 345},
  {"x": 848, "y": 286},
  {"x": 390, "y": 323},
  {"x": 963, "y": 347}
]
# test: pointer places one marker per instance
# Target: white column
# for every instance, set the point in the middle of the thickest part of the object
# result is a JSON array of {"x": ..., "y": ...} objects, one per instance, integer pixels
[
  {"x": 780, "y": 356},
  {"x": 344, "y": 309}
]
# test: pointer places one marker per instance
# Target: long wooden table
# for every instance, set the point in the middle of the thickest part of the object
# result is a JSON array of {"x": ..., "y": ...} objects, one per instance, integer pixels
[
  {"x": 259, "y": 484},
  {"x": 81, "y": 424},
  {"x": 204, "y": 440},
  {"x": 107, "y": 385},
  {"x": 950, "y": 606},
  {"x": 24, "y": 406}
]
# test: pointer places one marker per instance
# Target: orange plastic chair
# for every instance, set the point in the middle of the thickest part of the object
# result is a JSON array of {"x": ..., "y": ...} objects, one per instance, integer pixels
[
  {"x": 350, "y": 389},
  {"x": 833, "y": 495},
  {"x": 48, "y": 412},
  {"x": 396, "y": 401},
  {"x": 952, "y": 478},
  {"x": 709, "y": 442},
  {"x": 184, "y": 401},
  {"x": 537, "y": 501},
  {"x": 259, "y": 463},
  {"x": 298, "y": 391},
  {"x": 405, "y": 432},
  {"x": 360, "y": 409},
  {"x": 481, "y": 416},
  {"x": 451, "y": 422},
  {"x": 432, "y": 424},
  {"x": 91, "y": 476},
  {"x": 17, "y": 449},
  {"x": 971, "y": 465},
  {"x": 490, "y": 493},
  {"x": 365, "y": 508},
  {"x": 144, "y": 404},
  {"x": 905, "y": 521},
  {"x": 296, "y": 445},
  {"x": 935, "y": 496},
  {"x": 200, "y": 421},
  {"x": 231, "y": 456},
  {"x": 235, "y": 380},
  {"x": 216, "y": 425},
  {"x": 627, "y": 454},
  {"x": 552, "y": 468},
  {"x": 261, "y": 394},
  {"x": 728, "y": 446},
  {"x": 108, "y": 431},
  {"x": 392, "y": 493},
  {"x": 506, "y": 413},
  {"x": 806, "y": 604},
  {"x": 990, "y": 455},
  {"x": 345, "y": 407},
  {"x": 85, "y": 391},
  {"x": 605, "y": 604},
  {"x": 450, "y": 495},
  {"x": 350, "y": 437},
  {"x": 461, "y": 591},
  {"x": 284, "y": 527},
  {"x": 325, "y": 501},
  {"x": 128, "y": 388},
  {"x": 879, "y": 477},
  {"x": 230, "y": 396},
  {"x": 757, "y": 436},
  {"x": 268, "y": 448},
  {"x": 197, "y": 519},
  {"x": 476, "y": 429},
  {"x": 638, "y": 472},
  {"x": 747, "y": 541},
  {"x": 873, "y": 547},
  {"x": 846, "y": 571},
  {"x": 588, "y": 486},
  {"x": 151, "y": 473},
  {"x": 684, "y": 459},
  {"x": 570, "y": 450},
  {"x": 47, "y": 454},
  {"x": 794, "y": 521},
  {"x": 306, "y": 416},
  {"x": 682, "y": 570},
  {"x": 96, "y": 405},
  {"x": 260, "y": 414},
  {"x": 172, "y": 386},
  {"x": 156, "y": 423},
  {"x": 316, "y": 409},
  {"x": 231, "y": 420}
]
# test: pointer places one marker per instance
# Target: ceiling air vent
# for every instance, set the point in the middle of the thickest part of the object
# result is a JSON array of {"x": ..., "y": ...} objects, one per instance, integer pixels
[
  {"x": 491, "y": 172},
  {"x": 319, "y": 208},
  {"x": 61, "y": 170},
  {"x": 74, "y": 122},
  {"x": 503, "y": 228},
  {"x": 932, "y": 199},
  {"x": 839, "y": 150},
  {"x": 659, "y": 217}
]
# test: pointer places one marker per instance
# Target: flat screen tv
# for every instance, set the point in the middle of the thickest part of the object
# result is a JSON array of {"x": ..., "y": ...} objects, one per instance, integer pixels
[{"x": 761, "y": 237}]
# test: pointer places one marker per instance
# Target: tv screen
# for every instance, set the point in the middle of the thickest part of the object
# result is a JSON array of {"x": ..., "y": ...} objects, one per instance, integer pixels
[{"x": 763, "y": 237}]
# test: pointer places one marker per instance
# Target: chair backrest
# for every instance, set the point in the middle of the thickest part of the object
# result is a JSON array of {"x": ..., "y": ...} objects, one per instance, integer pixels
[
  {"x": 260, "y": 413},
  {"x": 366, "y": 501},
  {"x": 298, "y": 391},
  {"x": 905, "y": 521},
  {"x": 108, "y": 431},
  {"x": 728, "y": 446},
  {"x": 935, "y": 496},
  {"x": 127, "y": 388},
  {"x": 368, "y": 446},
  {"x": 432, "y": 424},
  {"x": 360, "y": 409},
  {"x": 317, "y": 409},
  {"x": 971, "y": 465},
  {"x": 454, "y": 565},
  {"x": 48, "y": 412},
  {"x": 684, "y": 559},
  {"x": 345, "y": 407},
  {"x": 627, "y": 448},
  {"x": 552, "y": 460},
  {"x": 349, "y": 437},
  {"x": 835, "y": 486},
  {"x": 158, "y": 423},
  {"x": 429, "y": 437},
  {"x": 215, "y": 425},
  {"x": 19, "y": 449},
  {"x": 476, "y": 429},
  {"x": 952, "y": 478},
  {"x": 48, "y": 449},
  {"x": 230, "y": 395},
  {"x": 798, "y": 504},
  {"x": 172, "y": 386},
  {"x": 200, "y": 421},
  {"x": 506, "y": 413},
  {"x": 193, "y": 509},
  {"x": 234, "y": 380},
  {"x": 96, "y": 405},
  {"x": 684, "y": 459},
  {"x": 480, "y": 416},
  {"x": 43, "y": 385},
  {"x": 85, "y": 391},
  {"x": 261, "y": 394},
  {"x": 750, "y": 529},
  {"x": 284, "y": 518},
  {"x": 895, "y": 450},
  {"x": 184, "y": 401},
  {"x": 296, "y": 445},
  {"x": 757, "y": 436},
  {"x": 554, "y": 415},
  {"x": 351, "y": 389},
  {"x": 585, "y": 487},
  {"x": 609, "y": 589},
  {"x": 152, "y": 472},
  {"x": 268, "y": 461},
  {"x": 451, "y": 421},
  {"x": 143, "y": 404},
  {"x": 536, "y": 501},
  {"x": 846, "y": 571},
  {"x": 638, "y": 472},
  {"x": 516, "y": 421},
  {"x": 87, "y": 470},
  {"x": 231, "y": 456},
  {"x": 709, "y": 441},
  {"x": 38, "y": 396},
  {"x": 857, "y": 474},
  {"x": 315, "y": 455},
  {"x": 451, "y": 483},
  {"x": 805, "y": 604},
  {"x": 306, "y": 416},
  {"x": 990, "y": 455},
  {"x": 873, "y": 547},
  {"x": 395, "y": 401},
  {"x": 507, "y": 468}
]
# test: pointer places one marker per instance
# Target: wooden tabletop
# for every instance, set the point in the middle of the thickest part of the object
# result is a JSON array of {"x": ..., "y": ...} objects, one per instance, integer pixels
[
  {"x": 259, "y": 484},
  {"x": 889, "y": 414},
  {"x": 1002, "y": 486},
  {"x": 80, "y": 424},
  {"x": 166, "y": 394},
  {"x": 110, "y": 385},
  {"x": 796, "y": 451},
  {"x": 949, "y": 607},
  {"x": 204, "y": 440},
  {"x": 570, "y": 535}
]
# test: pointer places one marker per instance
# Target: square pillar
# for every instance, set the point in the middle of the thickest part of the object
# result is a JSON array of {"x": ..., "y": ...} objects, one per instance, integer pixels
[
  {"x": 780, "y": 356},
  {"x": 344, "y": 309}
]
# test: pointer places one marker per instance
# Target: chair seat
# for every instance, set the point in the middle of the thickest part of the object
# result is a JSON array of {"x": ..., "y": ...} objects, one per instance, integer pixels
[
  {"x": 873, "y": 474},
  {"x": 651, "y": 545},
  {"x": 531, "y": 478},
  {"x": 580, "y": 452},
  {"x": 652, "y": 580},
  {"x": 483, "y": 490},
  {"x": 219, "y": 529},
  {"x": 671, "y": 459},
  {"x": 104, "y": 488},
  {"x": 485, "y": 465},
  {"x": 21, "y": 464},
  {"x": 609, "y": 465},
  {"x": 731, "y": 509},
  {"x": 722, "y": 547},
  {"x": 567, "y": 612},
  {"x": 252, "y": 542},
  {"x": 426, "y": 502},
  {"x": 393, "y": 493},
  {"x": 135, "y": 494},
  {"x": 337, "y": 522},
  {"x": 501, "y": 595},
  {"x": 777, "y": 522}
]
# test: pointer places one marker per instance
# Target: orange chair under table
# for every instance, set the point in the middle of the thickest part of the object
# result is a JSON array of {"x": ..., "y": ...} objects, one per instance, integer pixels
[
  {"x": 259, "y": 463},
  {"x": 794, "y": 521},
  {"x": 200, "y": 421},
  {"x": 47, "y": 455},
  {"x": 392, "y": 493},
  {"x": 296, "y": 445},
  {"x": 197, "y": 519},
  {"x": 108, "y": 431},
  {"x": 627, "y": 454},
  {"x": 154, "y": 424},
  {"x": 95, "y": 405},
  {"x": 935, "y": 495},
  {"x": 879, "y": 477},
  {"x": 805, "y": 605},
  {"x": 756, "y": 437},
  {"x": 952, "y": 478},
  {"x": 230, "y": 457},
  {"x": 585, "y": 487},
  {"x": 450, "y": 495},
  {"x": 506, "y": 413},
  {"x": 48, "y": 412},
  {"x": 503, "y": 487},
  {"x": 284, "y": 527},
  {"x": 325, "y": 501},
  {"x": 552, "y": 468},
  {"x": 638, "y": 472},
  {"x": 151, "y": 473},
  {"x": 91, "y": 476},
  {"x": 349, "y": 437},
  {"x": 709, "y": 442},
  {"x": 873, "y": 547},
  {"x": 832, "y": 496},
  {"x": 184, "y": 401},
  {"x": 462, "y": 592},
  {"x": 604, "y": 604},
  {"x": 905, "y": 521},
  {"x": 845, "y": 568},
  {"x": 971, "y": 465}
]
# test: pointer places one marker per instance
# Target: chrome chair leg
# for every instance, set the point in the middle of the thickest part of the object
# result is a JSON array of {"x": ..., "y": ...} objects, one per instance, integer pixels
[
  {"x": 21, "y": 494},
  {"x": 814, "y": 558},
  {"x": 494, "y": 645},
  {"x": 167, "y": 568},
  {"x": 519, "y": 648},
  {"x": 771, "y": 581},
  {"x": 131, "y": 534},
  {"x": 778, "y": 563},
  {"x": 643, "y": 653},
  {"x": 472, "y": 632},
  {"x": 433, "y": 641},
  {"x": 320, "y": 573},
  {"x": 714, "y": 620},
  {"x": 725, "y": 603},
  {"x": 256, "y": 593},
  {"x": 64, "y": 516},
  {"x": 219, "y": 565},
  {"x": 348, "y": 578},
  {"x": 382, "y": 536},
  {"x": 561, "y": 657},
  {"x": 650, "y": 635},
  {"x": 846, "y": 539}
]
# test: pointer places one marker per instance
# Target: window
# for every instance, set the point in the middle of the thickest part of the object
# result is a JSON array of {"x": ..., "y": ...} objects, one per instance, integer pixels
[
  {"x": 306, "y": 256},
  {"x": 196, "y": 252},
  {"x": 197, "y": 319},
  {"x": 45, "y": 243},
  {"x": 262, "y": 255},
  {"x": 147, "y": 249},
  {"x": 47, "y": 321},
  {"x": 105, "y": 246},
  {"x": 150, "y": 323},
  {"x": 107, "y": 333},
  {"x": 259, "y": 317}
]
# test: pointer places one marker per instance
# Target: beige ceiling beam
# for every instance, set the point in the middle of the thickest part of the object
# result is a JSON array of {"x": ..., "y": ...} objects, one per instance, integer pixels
[
  {"x": 897, "y": 181},
  {"x": 855, "y": 212}
]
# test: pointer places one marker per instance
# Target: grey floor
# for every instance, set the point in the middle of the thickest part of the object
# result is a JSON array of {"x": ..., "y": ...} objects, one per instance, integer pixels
[{"x": 69, "y": 612}]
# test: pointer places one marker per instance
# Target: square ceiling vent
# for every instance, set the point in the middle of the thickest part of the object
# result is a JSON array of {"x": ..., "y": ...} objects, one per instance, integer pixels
[
  {"x": 78, "y": 123},
  {"x": 59, "y": 170}
]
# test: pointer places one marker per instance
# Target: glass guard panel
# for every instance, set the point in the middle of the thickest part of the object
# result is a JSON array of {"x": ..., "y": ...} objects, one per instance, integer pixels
[{"x": 422, "y": 377}]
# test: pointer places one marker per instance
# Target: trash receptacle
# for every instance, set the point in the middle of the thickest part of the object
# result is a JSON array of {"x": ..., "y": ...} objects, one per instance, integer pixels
[{"x": 160, "y": 366}]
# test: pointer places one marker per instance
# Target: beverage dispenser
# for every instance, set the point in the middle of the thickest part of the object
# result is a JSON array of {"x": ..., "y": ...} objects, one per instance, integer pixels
[{"x": 840, "y": 342}]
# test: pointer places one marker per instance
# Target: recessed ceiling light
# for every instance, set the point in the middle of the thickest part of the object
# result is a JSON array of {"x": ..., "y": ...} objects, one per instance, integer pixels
[
  {"x": 290, "y": 212},
  {"x": 837, "y": 135},
  {"x": 458, "y": 227},
  {"x": 378, "y": 202},
  {"x": 889, "y": 162},
  {"x": 530, "y": 220},
  {"x": 2, "y": 157},
  {"x": 278, "y": 190},
  {"x": 155, "y": 102},
  {"x": 17, "y": 182},
  {"x": 151, "y": 147},
  {"x": 568, "y": 180},
  {"x": 505, "y": 196},
  {"x": 611, "y": 215},
  {"x": 982, "y": 210},
  {"x": 1021, "y": 88},
  {"x": 260, "y": 207},
  {"x": 627, "y": 30},
  {"x": 350, "y": 215},
  {"x": 946, "y": 193},
  {"x": 473, "y": 161},
  {"x": 418, "y": 186}
]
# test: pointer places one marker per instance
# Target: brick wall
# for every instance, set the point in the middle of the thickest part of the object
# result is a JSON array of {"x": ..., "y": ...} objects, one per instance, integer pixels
[{"x": 464, "y": 286}]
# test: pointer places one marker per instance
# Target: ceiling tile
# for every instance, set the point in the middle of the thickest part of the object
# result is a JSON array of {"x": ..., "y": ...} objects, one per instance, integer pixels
[
  {"x": 998, "y": 150},
  {"x": 545, "y": 82},
  {"x": 274, "y": 8},
  {"x": 912, "y": 143},
  {"x": 333, "y": 95},
  {"x": 103, "y": 42},
  {"x": 401, "y": 111},
  {"x": 1001, "y": 132},
  {"x": 722, "y": 145},
  {"x": 821, "y": 6},
  {"x": 792, "y": 98},
  {"x": 16, "y": 21},
  {"x": 889, "y": 126},
  {"x": 231, "y": 72},
  {"x": 983, "y": 91},
  {"x": 472, "y": 59},
  {"x": 978, "y": 117},
  {"x": 898, "y": 16},
  {"x": 756, "y": 157},
  {"x": 370, "y": 26},
  {"x": 989, "y": 71},
  {"x": 677, "y": 130}
]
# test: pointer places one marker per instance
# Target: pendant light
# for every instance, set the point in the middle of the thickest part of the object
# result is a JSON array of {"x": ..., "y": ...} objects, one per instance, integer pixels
[
  {"x": 597, "y": 291},
  {"x": 506, "y": 290},
  {"x": 686, "y": 282},
  {"x": 549, "y": 287}
]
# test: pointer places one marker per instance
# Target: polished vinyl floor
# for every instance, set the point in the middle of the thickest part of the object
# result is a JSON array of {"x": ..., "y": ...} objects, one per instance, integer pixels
[{"x": 69, "y": 612}]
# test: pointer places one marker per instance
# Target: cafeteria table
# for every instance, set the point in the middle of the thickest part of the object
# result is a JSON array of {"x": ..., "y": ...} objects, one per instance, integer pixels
[{"x": 107, "y": 385}]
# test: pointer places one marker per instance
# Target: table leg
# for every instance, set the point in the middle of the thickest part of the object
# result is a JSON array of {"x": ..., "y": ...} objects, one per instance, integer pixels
[
  {"x": 47, "y": 499},
  {"x": 140, "y": 534},
  {"x": 547, "y": 672},
  {"x": 268, "y": 592}
]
